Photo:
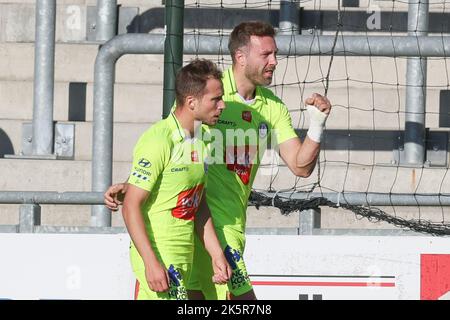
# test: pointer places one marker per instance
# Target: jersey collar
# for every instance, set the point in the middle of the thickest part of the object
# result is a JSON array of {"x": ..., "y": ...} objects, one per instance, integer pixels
[
  {"x": 231, "y": 83},
  {"x": 175, "y": 124}
]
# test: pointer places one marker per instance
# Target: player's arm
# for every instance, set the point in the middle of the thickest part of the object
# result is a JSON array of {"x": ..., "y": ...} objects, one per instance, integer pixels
[
  {"x": 301, "y": 157},
  {"x": 205, "y": 230},
  {"x": 155, "y": 273}
]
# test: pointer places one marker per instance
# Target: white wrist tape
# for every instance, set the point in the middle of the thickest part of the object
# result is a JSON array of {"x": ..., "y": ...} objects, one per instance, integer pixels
[{"x": 316, "y": 123}]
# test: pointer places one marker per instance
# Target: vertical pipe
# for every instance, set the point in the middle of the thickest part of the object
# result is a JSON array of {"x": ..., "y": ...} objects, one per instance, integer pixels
[
  {"x": 106, "y": 24},
  {"x": 102, "y": 134},
  {"x": 30, "y": 216},
  {"x": 173, "y": 50},
  {"x": 44, "y": 77},
  {"x": 289, "y": 17},
  {"x": 309, "y": 220},
  {"x": 106, "y": 29},
  {"x": 416, "y": 79}
]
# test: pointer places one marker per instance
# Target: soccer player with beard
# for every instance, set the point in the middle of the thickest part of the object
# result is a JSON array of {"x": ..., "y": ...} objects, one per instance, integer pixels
[{"x": 251, "y": 107}]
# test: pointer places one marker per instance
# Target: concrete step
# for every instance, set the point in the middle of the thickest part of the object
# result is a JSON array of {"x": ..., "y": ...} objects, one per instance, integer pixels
[
  {"x": 125, "y": 137},
  {"x": 73, "y": 101},
  {"x": 56, "y": 215},
  {"x": 264, "y": 217},
  {"x": 75, "y": 63},
  {"x": 367, "y": 104},
  {"x": 52, "y": 175},
  {"x": 70, "y": 175},
  {"x": 354, "y": 108},
  {"x": 350, "y": 176},
  {"x": 362, "y": 146}
]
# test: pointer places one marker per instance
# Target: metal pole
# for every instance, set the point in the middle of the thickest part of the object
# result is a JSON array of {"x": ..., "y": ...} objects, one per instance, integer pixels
[
  {"x": 416, "y": 80},
  {"x": 289, "y": 17},
  {"x": 44, "y": 77},
  {"x": 352, "y": 198},
  {"x": 102, "y": 135},
  {"x": 30, "y": 216},
  {"x": 102, "y": 144},
  {"x": 384, "y": 46},
  {"x": 46, "y": 197},
  {"x": 309, "y": 220},
  {"x": 368, "y": 199},
  {"x": 399, "y": 46},
  {"x": 106, "y": 24},
  {"x": 173, "y": 51}
]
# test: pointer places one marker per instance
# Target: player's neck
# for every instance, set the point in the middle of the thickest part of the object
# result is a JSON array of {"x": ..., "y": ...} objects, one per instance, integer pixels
[
  {"x": 244, "y": 86},
  {"x": 187, "y": 121}
]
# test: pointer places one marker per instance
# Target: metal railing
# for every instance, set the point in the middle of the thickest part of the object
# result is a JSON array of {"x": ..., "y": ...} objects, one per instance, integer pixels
[
  {"x": 30, "y": 211},
  {"x": 309, "y": 220}
]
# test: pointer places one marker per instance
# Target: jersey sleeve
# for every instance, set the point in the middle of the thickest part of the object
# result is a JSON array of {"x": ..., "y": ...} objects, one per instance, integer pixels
[
  {"x": 151, "y": 155},
  {"x": 283, "y": 124}
]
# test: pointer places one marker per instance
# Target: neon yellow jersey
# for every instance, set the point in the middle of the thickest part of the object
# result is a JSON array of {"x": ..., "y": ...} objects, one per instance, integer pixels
[
  {"x": 246, "y": 129},
  {"x": 171, "y": 167}
]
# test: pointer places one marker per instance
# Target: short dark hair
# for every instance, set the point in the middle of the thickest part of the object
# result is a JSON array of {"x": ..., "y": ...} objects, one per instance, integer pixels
[
  {"x": 192, "y": 78},
  {"x": 240, "y": 36}
]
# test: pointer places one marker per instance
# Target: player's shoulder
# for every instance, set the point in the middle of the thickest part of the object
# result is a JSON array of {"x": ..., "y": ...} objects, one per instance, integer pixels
[
  {"x": 159, "y": 132},
  {"x": 271, "y": 98}
]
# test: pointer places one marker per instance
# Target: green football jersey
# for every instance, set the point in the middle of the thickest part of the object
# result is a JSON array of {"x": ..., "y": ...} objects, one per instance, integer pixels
[
  {"x": 171, "y": 167},
  {"x": 245, "y": 129}
]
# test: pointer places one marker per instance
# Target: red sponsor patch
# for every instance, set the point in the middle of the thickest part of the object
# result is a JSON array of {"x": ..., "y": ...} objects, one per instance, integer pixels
[
  {"x": 194, "y": 156},
  {"x": 434, "y": 276},
  {"x": 188, "y": 202},
  {"x": 240, "y": 160},
  {"x": 247, "y": 116}
]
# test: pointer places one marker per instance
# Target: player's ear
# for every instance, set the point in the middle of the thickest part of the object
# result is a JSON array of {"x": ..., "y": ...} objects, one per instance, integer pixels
[
  {"x": 240, "y": 57},
  {"x": 190, "y": 102}
]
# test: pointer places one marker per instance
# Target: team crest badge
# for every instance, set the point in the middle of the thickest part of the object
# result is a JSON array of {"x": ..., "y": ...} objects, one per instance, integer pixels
[
  {"x": 247, "y": 116},
  {"x": 263, "y": 129},
  {"x": 194, "y": 156}
]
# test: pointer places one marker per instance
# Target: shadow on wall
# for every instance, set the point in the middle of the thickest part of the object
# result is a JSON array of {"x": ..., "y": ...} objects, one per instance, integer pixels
[
  {"x": 325, "y": 20},
  {"x": 6, "y": 146},
  {"x": 204, "y": 18}
]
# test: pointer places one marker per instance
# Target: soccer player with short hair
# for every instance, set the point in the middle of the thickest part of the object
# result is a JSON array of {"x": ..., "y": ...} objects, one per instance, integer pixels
[{"x": 166, "y": 189}]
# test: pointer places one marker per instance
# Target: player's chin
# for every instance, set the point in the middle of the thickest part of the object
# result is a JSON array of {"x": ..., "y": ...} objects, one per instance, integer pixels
[
  {"x": 212, "y": 121},
  {"x": 266, "y": 80}
]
